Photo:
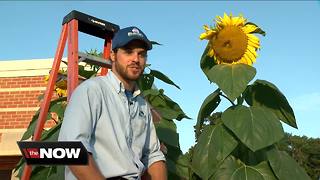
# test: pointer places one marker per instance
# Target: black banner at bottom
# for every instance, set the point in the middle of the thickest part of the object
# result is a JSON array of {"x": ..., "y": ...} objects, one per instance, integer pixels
[{"x": 54, "y": 153}]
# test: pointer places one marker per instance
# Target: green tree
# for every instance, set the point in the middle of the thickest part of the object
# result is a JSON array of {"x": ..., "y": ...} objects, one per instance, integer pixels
[{"x": 306, "y": 151}]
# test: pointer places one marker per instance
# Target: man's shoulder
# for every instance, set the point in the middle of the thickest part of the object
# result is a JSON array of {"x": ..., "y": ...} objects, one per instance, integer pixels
[{"x": 93, "y": 82}]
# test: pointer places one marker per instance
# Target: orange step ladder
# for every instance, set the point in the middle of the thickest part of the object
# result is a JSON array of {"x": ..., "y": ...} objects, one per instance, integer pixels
[{"x": 72, "y": 23}]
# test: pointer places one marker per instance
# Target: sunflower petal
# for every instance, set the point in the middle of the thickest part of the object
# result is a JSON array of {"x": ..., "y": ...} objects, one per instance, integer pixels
[
  {"x": 245, "y": 59},
  {"x": 252, "y": 50},
  {"x": 206, "y": 28},
  {"x": 254, "y": 41},
  {"x": 46, "y": 78},
  {"x": 207, "y": 35},
  {"x": 253, "y": 37},
  {"x": 238, "y": 21},
  {"x": 203, "y": 36},
  {"x": 255, "y": 45},
  {"x": 249, "y": 28},
  {"x": 226, "y": 19},
  {"x": 251, "y": 56},
  {"x": 218, "y": 61},
  {"x": 211, "y": 53}
]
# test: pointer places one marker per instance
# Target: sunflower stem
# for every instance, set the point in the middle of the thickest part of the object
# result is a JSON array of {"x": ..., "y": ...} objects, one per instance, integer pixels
[{"x": 226, "y": 98}]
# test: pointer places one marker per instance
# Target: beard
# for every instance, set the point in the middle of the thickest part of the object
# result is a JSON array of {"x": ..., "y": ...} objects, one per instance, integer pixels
[{"x": 131, "y": 72}]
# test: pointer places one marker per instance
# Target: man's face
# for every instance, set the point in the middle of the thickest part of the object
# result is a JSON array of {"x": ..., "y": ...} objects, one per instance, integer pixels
[{"x": 129, "y": 61}]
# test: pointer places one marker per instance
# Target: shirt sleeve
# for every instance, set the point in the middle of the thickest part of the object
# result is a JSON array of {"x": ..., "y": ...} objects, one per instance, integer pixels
[
  {"x": 152, "y": 152},
  {"x": 81, "y": 115}
]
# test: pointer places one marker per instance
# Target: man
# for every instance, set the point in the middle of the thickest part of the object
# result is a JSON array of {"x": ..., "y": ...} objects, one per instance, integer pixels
[{"x": 113, "y": 121}]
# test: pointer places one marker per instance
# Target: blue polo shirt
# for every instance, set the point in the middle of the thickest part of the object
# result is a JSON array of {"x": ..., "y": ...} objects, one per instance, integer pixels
[{"x": 114, "y": 125}]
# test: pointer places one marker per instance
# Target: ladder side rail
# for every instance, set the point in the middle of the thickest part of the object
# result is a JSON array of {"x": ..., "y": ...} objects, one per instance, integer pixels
[
  {"x": 72, "y": 57},
  {"x": 106, "y": 53},
  {"x": 48, "y": 95}
]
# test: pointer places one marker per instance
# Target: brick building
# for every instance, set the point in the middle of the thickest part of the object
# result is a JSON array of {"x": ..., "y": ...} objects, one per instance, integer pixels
[{"x": 21, "y": 83}]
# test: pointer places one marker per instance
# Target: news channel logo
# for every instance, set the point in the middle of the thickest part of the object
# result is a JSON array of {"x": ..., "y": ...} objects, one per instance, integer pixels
[{"x": 54, "y": 153}]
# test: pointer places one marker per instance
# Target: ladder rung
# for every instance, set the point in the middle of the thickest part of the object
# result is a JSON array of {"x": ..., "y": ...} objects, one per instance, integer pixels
[{"x": 94, "y": 60}]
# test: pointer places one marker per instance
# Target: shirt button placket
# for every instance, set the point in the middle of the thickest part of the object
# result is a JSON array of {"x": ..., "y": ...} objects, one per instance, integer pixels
[{"x": 130, "y": 122}]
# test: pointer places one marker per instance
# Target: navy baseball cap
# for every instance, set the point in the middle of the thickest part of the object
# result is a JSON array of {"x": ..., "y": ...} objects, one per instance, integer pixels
[{"x": 125, "y": 35}]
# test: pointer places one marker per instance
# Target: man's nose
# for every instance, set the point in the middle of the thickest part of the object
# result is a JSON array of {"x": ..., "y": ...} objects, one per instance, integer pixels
[{"x": 135, "y": 57}]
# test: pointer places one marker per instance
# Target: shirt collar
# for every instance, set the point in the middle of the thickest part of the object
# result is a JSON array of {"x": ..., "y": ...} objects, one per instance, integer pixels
[{"x": 118, "y": 85}]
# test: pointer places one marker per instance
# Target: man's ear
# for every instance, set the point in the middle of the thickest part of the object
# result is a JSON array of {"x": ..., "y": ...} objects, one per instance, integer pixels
[{"x": 112, "y": 55}]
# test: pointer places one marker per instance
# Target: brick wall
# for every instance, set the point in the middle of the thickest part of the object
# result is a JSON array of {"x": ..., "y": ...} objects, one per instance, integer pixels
[
  {"x": 21, "y": 83},
  {"x": 19, "y": 100},
  {"x": 21, "y": 91}
]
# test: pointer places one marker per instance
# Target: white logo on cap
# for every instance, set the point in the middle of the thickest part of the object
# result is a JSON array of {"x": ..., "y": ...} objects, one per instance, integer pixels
[{"x": 135, "y": 32}]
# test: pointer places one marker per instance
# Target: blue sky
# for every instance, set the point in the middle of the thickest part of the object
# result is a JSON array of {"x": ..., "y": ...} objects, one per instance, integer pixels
[{"x": 288, "y": 58}]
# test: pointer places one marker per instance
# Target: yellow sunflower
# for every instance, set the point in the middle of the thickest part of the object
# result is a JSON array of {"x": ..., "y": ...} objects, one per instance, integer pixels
[
  {"x": 61, "y": 83},
  {"x": 61, "y": 92},
  {"x": 231, "y": 41}
]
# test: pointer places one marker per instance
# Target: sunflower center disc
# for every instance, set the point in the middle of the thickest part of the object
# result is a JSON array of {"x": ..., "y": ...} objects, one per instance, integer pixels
[{"x": 230, "y": 44}]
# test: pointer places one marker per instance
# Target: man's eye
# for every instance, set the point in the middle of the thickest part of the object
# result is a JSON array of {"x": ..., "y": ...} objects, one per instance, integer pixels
[
  {"x": 143, "y": 54},
  {"x": 128, "y": 51}
]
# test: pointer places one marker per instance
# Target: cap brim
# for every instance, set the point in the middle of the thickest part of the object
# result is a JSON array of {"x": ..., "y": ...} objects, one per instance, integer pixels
[{"x": 146, "y": 42}]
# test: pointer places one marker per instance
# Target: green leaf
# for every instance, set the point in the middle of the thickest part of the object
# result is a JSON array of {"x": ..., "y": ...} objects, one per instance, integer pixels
[
  {"x": 20, "y": 169},
  {"x": 208, "y": 106},
  {"x": 52, "y": 171},
  {"x": 233, "y": 169},
  {"x": 32, "y": 125},
  {"x": 94, "y": 52},
  {"x": 167, "y": 132},
  {"x": 155, "y": 43},
  {"x": 249, "y": 157},
  {"x": 214, "y": 145},
  {"x": 20, "y": 164},
  {"x": 58, "y": 108},
  {"x": 168, "y": 113},
  {"x": 232, "y": 79},
  {"x": 163, "y": 77},
  {"x": 258, "y": 30},
  {"x": 40, "y": 97},
  {"x": 240, "y": 100},
  {"x": 267, "y": 95},
  {"x": 47, "y": 172},
  {"x": 254, "y": 126},
  {"x": 153, "y": 92},
  {"x": 226, "y": 169},
  {"x": 177, "y": 163},
  {"x": 145, "y": 81},
  {"x": 52, "y": 134},
  {"x": 285, "y": 167},
  {"x": 265, "y": 170},
  {"x": 85, "y": 73},
  {"x": 206, "y": 62},
  {"x": 39, "y": 172},
  {"x": 58, "y": 173},
  {"x": 167, "y": 108},
  {"x": 182, "y": 166}
]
